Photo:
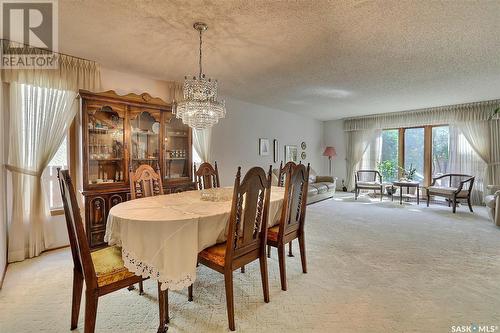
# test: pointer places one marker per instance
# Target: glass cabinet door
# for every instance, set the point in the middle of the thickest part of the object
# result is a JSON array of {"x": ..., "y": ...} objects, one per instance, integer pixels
[
  {"x": 145, "y": 138},
  {"x": 177, "y": 150},
  {"x": 105, "y": 146}
]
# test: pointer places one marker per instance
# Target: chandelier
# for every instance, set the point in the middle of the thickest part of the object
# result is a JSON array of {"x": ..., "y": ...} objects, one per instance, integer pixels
[{"x": 200, "y": 108}]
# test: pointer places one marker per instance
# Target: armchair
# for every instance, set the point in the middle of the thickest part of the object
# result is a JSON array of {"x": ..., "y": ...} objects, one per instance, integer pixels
[
  {"x": 492, "y": 201},
  {"x": 367, "y": 180},
  {"x": 458, "y": 187}
]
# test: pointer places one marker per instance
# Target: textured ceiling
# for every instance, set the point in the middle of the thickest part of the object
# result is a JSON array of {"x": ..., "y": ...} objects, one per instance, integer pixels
[{"x": 325, "y": 59}]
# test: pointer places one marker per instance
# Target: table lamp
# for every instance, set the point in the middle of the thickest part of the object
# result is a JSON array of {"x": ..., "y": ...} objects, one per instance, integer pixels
[{"x": 330, "y": 152}]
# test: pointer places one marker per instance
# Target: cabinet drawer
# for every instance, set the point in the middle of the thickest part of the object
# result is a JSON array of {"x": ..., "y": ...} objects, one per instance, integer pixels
[{"x": 97, "y": 238}]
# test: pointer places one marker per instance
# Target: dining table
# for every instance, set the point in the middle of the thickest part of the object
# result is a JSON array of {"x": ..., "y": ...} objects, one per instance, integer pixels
[{"x": 160, "y": 236}]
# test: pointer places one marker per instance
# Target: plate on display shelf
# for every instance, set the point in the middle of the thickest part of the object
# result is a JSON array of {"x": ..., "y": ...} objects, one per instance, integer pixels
[{"x": 156, "y": 127}]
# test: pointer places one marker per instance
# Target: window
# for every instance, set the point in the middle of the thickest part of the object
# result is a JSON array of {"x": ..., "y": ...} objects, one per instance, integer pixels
[
  {"x": 388, "y": 166},
  {"x": 425, "y": 149},
  {"x": 440, "y": 150},
  {"x": 52, "y": 191},
  {"x": 414, "y": 152}
]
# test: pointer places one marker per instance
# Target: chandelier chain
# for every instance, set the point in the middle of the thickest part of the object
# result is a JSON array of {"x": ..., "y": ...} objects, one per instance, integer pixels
[{"x": 201, "y": 69}]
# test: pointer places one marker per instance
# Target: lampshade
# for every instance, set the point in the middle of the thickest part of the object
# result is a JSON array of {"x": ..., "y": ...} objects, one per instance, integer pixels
[{"x": 330, "y": 152}]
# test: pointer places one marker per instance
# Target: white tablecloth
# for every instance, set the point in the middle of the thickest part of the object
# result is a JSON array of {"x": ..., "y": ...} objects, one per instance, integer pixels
[{"x": 161, "y": 236}]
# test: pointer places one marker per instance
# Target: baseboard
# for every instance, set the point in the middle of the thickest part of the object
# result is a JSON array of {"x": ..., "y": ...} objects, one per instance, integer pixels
[
  {"x": 56, "y": 248},
  {"x": 3, "y": 275}
]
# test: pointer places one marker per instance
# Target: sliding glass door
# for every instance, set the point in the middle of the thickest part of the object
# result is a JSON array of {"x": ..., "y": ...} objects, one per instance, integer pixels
[
  {"x": 424, "y": 149},
  {"x": 414, "y": 152},
  {"x": 440, "y": 150}
]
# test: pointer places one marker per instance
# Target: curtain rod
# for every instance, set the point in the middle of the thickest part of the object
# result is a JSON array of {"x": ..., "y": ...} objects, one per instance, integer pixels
[
  {"x": 433, "y": 108},
  {"x": 45, "y": 50}
]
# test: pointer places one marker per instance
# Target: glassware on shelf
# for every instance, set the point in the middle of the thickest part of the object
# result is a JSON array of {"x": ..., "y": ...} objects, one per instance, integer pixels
[{"x": 105, "y": 146}]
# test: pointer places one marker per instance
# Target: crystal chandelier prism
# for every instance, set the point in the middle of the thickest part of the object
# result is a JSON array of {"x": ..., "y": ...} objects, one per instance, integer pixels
[{"x": 200, "y": 108}]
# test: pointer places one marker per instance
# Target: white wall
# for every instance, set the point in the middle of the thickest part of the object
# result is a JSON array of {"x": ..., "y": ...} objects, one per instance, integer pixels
[
  {"x": 334, "y": 136},
  {"x": 235, "y": 140},
  {"x": 124, "y": 83}
]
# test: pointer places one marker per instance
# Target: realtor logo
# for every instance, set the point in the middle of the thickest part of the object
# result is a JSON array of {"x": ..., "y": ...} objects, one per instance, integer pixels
[{"x": 29, "y": 34}]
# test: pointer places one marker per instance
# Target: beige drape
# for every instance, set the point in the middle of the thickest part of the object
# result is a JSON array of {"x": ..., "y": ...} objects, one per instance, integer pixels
[
  {"x": 357, "y": 143},
  {"x": 202, "y": 143},
  {"x": 465, "y": 160},
  {"x": 40, "y": 117},
  {"x": 42, "y": 106}
]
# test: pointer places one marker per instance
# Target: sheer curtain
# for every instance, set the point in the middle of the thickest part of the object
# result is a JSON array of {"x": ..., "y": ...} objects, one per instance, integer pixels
[
  {"x": 357, "y": 143},
  {"x": 40, "y": 117},
  {"x": 373, "y": 153},
  {"x": 41, "y": 108},
  {"x": 202, "y": 143},
  {"x": 465, "y": 160}
]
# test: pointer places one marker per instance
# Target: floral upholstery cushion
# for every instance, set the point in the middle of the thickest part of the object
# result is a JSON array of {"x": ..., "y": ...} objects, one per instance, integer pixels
[
  {"x": 272, "y": 233},
  {"x": 108, "y": 265},
  {"x": 215, "y": 254}
]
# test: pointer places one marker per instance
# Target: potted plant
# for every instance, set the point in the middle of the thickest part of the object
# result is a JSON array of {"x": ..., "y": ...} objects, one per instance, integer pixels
[
  {"x": 408, "y": 174},
  {"x": 388, "y": 169}
]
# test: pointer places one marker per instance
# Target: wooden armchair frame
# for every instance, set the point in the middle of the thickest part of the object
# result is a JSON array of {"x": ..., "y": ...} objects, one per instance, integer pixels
[{"x": 458, "y": 194}]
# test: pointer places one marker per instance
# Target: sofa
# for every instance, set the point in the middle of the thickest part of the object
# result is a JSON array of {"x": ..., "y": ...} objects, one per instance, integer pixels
[
  {"x": 492, "y": 201},
  {"x": 320, "y": 187}
]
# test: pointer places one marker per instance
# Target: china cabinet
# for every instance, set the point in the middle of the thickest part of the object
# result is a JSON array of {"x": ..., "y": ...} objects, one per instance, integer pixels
[{"x": 118, "y": 134}]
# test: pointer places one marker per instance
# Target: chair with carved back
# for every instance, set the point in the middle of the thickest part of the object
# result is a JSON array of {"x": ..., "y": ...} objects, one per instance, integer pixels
[
  {"x": 103, "y": 271},
  {"x": 206, "y": 176},
  {"x": 291, "y": 225},
  {"x": 283, "y": 171},
  {"x": 145, "y": 182},
  {"x": 281, "y": 183},
  {"x": 247, "y": 233}
]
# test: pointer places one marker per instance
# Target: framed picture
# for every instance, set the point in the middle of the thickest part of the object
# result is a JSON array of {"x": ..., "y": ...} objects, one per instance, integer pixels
[
  {"x": 276, "y": 151},
  {"x": 291, "y": 154},
  {"x": 264, "y": 147}
]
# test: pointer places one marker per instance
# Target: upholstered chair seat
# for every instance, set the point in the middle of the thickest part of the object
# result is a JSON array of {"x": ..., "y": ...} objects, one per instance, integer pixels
[
  {"x": 453, "y": 187},
  {"x": 448, "y": 191},
  {"x": 108, "y": 265},
  {"x": 272, "y": 233},
  {"x": 375, "y": 185},
  {"x": 215, "y": 254}
]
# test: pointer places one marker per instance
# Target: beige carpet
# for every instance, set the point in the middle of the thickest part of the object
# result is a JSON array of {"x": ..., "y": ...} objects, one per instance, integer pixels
[{"x": 373, "y": 267}]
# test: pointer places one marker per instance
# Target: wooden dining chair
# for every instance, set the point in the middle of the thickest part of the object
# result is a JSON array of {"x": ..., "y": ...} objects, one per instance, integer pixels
[
  {"x": 103, "y": 271},
  {"x": 247, "y": 232},
  {"x": 281, "y": 183},
  {"x": 293, "y": 213},
  {"x": 207, "y": 176},
  {"x": 145, "y": 182},
  {"x": 283, "y": 171}
]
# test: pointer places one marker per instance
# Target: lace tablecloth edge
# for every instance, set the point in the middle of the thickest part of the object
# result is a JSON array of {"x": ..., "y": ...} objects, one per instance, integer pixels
[{"x": 141, "y": 268}]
